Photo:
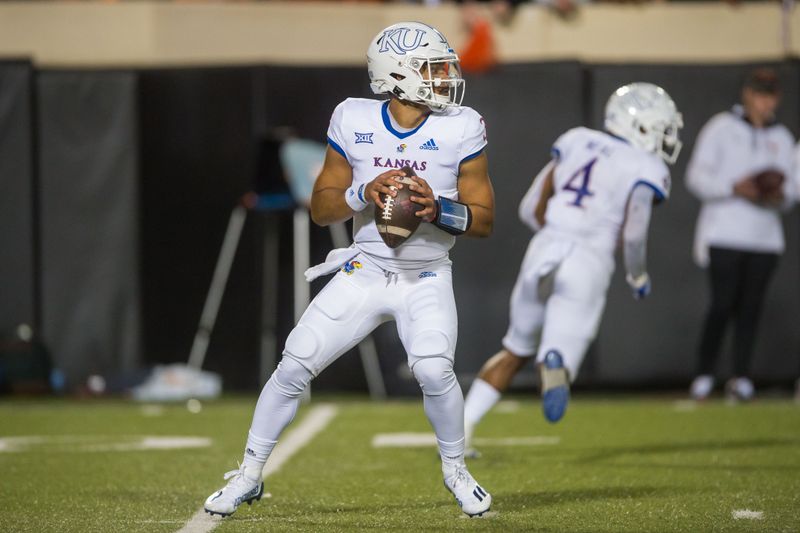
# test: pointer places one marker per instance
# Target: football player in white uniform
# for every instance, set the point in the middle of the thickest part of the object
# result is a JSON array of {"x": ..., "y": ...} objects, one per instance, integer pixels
[
  {"x": 597, "y": 185},
  {"x": 423, "y": 126}
]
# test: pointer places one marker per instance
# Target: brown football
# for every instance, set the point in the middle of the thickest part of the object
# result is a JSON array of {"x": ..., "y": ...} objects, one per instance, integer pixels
[
  {"x": 769, "y": 181},
  {"x": 397, "y": 221}
]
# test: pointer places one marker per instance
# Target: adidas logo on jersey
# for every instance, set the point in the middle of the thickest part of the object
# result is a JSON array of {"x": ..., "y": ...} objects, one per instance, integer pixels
[{"x": 430, "y": 144}]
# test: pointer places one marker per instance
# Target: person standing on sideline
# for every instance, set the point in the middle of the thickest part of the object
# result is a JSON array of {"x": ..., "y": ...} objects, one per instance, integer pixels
[
  {"x": 598, "y": 189},
  {"x": 741, "y": 170},
  {"x": 420, "y": 124}
]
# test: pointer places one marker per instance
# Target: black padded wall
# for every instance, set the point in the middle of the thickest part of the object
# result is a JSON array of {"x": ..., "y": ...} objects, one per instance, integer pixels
[
  {"x": 17, "y": 236},
  {"x": 139, "y": 173},
  {"x": 197, "y": 159},
  {"x": 89, "y": 203}
]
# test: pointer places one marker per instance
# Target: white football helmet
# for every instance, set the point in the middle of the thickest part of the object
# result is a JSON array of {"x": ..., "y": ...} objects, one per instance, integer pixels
[
  {"x": 414, "y": 62},
  {"x": 645, "y": 115}
]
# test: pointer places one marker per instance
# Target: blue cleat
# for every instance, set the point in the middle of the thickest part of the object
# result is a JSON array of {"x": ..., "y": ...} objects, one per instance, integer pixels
[{"x": 555, "y": 386}]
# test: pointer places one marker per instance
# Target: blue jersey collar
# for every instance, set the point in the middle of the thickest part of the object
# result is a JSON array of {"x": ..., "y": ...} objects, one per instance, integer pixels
[{"x": 388, "y": 123}]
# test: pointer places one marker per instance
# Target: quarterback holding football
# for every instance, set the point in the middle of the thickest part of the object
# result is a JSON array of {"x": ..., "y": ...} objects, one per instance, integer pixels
[{"x": 419, "y": 140}]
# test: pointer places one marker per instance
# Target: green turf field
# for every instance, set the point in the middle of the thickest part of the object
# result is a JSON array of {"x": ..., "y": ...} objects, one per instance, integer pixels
[{"x": 624, "y": 464}]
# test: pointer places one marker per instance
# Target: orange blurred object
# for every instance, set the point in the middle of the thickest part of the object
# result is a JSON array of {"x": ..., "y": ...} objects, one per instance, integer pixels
[{"x": 478, "y": 54}]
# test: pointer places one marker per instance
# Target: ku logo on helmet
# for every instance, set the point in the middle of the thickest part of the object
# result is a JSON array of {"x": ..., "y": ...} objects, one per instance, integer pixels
[{"x": 400, "y": 41}]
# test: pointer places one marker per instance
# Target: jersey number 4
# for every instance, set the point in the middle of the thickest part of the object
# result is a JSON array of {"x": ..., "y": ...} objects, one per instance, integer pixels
[{"x": 579, "y": 183}]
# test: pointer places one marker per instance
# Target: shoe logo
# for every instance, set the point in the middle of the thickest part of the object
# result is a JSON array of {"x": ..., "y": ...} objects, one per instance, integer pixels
[
  {"x": 427, "y": 275},
  {"x": 363, "y": 138},
  {"x": 430, "y": 144},
  {"x": 217, "y": 495},
  {"x": 350, "y": 267},
  {"x": 479, "y": 493}
]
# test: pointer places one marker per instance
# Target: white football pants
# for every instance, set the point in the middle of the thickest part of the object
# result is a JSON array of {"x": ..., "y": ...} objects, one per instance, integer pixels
[
  {"x": 558, "y": 300},
  {"x": 359, "y": 298}
]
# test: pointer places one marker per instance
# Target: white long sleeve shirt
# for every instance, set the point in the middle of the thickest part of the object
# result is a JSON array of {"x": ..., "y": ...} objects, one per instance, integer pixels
[{"x": 727, "y": 150}]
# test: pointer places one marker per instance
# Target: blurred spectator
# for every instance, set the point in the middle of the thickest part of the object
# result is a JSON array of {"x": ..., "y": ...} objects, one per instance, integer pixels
[{"x": 741, "y": 170}]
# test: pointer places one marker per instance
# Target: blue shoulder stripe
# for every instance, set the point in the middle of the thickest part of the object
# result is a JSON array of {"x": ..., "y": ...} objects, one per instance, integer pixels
[
  {"x": 660, "y": 196},
  {"x": 337, "y": 148},
  {"x": 472, "y": 156}
]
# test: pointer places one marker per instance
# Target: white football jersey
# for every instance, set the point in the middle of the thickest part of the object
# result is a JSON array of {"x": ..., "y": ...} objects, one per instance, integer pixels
[
  {"x": 364, "y": 133},
  {"x": 594, "y": 175}
]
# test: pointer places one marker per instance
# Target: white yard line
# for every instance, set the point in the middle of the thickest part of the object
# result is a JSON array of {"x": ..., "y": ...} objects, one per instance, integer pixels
[
  {"x": 685, "y": 406},
  {"x": 747, "y": 514},
  {"x": 315, "y": 421}
]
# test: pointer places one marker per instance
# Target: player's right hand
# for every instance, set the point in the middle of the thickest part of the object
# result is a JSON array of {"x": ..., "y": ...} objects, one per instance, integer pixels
[
  {"x": 640, "y": 285},
  {"x": 382, "y": 185},
  {"x": 748, "y": 189}
]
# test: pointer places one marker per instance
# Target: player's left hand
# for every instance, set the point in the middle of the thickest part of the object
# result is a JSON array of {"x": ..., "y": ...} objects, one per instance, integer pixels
[
  {"x": 640, "y": 285},
  {"x": 423, "y": 195}
]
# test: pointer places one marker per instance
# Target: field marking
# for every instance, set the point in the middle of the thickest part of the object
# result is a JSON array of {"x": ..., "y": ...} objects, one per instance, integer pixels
[
  {"x": 747, "y": 514},
  {"x": 506, "y": 407},
  {"x": 424, "y": 440},
  {"x": 685, "y": 406},
  {"x": 101, "y": 443},
  {"x": 315, "y": 421},
  {"x": 152, "y": 410}
]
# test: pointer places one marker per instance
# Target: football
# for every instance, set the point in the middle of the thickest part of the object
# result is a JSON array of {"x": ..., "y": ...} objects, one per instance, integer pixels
[
  {"x": 769, "y": 181},
  {"x": 397, "y": 221}
]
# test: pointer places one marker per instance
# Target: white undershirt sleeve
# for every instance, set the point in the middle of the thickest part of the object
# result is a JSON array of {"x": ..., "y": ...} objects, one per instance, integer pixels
[
  {"x": 634, "y": 233},
  {"x": 527, "y": 207}
]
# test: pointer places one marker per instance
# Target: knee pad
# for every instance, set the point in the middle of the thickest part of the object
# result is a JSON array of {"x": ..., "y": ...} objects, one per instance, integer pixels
[
  {"x": 435, "y": 375},
  {"x": 291, "y": 378}
]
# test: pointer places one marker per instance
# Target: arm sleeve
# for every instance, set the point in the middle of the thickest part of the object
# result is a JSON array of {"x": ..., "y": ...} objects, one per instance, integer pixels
[
  {"x": 527, "y": 207},
  {"x": 474, "y": 138},
  {"x": 637, "y": 222},
  {"x": 336, "y": 138},
  {"x": 702, "y": 173}
]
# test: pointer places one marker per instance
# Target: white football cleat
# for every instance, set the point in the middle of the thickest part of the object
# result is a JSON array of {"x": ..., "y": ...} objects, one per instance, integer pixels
[
  {"x": 240, "y": 489},
  {"x": 471, "y": 497},
  {"x": 739, "y": 389},
  {"x": 701, "y": 387}
]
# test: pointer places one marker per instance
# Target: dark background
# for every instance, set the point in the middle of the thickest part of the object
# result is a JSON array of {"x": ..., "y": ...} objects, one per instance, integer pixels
[{"x": 116, "y": 187}]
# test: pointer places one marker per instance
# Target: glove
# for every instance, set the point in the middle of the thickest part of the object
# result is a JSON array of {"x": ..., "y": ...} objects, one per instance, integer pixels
[{"x": 641, "y": 285}]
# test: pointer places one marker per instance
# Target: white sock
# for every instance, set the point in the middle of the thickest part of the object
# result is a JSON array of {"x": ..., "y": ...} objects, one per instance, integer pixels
[
  {"x": 480, "y": 399},
  {"x": 452, "y": 454},
  {"x": 275, "y": 410},
  {"x": 255, "y": 455},
  {"x": 445, "y": 413}
]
